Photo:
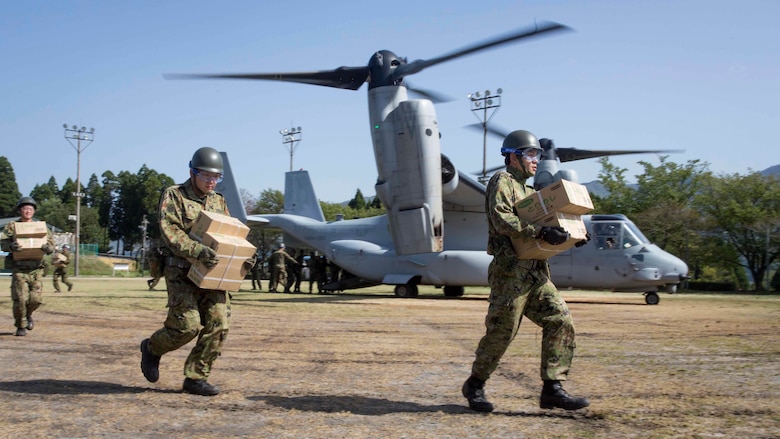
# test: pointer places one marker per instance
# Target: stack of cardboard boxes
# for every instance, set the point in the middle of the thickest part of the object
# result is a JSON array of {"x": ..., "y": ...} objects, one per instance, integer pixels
[
  {"x": 31, "y": 235},
  {"x": 227, "y": 236},
  {"x": 560, "y": 204}
]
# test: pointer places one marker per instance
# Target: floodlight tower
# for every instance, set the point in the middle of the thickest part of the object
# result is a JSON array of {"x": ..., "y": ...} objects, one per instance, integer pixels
[
  {"x": 289, "y": 138},
  {"x": 483, "y": 103},
  {"x": 85, "y": 138}
]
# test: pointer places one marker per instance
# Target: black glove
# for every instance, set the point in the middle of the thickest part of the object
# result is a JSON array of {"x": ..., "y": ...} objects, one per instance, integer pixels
[
  {"x": 15, "y": 246},
  {"x": 584, "y": 241},
  {"x": 47, "y": 249},
  {"x": 553, "y": 235},
  {"x": 208, "y": 257}
]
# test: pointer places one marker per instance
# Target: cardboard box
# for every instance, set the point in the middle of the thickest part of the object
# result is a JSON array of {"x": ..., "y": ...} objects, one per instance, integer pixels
[
  {"x": 31, "y": 249},
  {"x": 532, "y": 248},
  {"x": 31, "y": 229},
  {"x": 58, "y": 259},
  {"x": 563, "y": 196},
  {"x": 228, "y": 274},
  {"x": 210, "y": 222}
]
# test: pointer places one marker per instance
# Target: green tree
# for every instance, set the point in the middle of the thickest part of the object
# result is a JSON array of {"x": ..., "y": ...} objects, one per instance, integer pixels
[
  {"x": 743, "y": 212},
  {"x": 270, "y": 201},
  {"x": 46, "y": 191},
  {"x": 621, "y": 198},
  {"x": 359, "y": 202},
  {"x": 9, "y": 190}
]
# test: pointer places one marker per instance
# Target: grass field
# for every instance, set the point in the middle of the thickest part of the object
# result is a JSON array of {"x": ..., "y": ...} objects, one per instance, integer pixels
[{"x": 370, "y": 365}]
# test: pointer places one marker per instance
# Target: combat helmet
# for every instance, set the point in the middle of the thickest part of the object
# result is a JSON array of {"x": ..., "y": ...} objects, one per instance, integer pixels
[
  {"x": 26, "y": 201},
  {"x": 518, "y": 140},
  {"x": 207, "y": 159}
]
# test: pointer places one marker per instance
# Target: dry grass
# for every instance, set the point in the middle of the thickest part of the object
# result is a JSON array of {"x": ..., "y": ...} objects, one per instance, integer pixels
[{"x": 371, "y": 365}]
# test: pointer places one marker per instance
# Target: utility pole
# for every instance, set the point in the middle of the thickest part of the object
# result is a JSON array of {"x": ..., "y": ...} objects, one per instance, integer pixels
[
  {"x": 481, "y": 104},
  {"x": 81, "y": 136},
  {"x": 289, "y": 139}
]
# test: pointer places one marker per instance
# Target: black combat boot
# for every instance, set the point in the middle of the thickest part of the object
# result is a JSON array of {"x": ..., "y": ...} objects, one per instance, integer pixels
[
  {"x": 553, "y": 396},
  {"x": 199, "y": 387},
  {"x": 474, "y": 390},
  {"x": 150, "y": 363},
  {"x": 30, "y": 323},
  {"x": 21, "y": 332}
]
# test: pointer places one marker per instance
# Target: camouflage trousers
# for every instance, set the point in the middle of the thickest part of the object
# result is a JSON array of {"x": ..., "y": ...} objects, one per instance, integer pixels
[
  {"x": 61, "y": 273},
  {"x": 530, "y": 293},
  {"x": 26, "y": 294},
  {"x": 278, "y": 278},
  {"x": 193, "y": 312}
]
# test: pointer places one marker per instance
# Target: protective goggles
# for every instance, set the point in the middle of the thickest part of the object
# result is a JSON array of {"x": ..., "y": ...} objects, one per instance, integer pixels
[
  {"x": 531, "y": 154},
  {"x": 207, "y": 177}
]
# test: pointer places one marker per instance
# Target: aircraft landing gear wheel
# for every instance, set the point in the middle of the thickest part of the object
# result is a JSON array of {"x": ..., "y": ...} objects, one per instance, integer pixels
[
  {"x": 651, "y": 298},
  {"x": 453, "y": 291},
  {"x": 406, "y": 290}
]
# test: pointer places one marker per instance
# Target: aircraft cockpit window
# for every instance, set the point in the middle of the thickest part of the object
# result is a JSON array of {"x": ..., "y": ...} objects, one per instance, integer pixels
[
  {"x": 633, "y": 235},
  {"x": 607, "y": 235}
]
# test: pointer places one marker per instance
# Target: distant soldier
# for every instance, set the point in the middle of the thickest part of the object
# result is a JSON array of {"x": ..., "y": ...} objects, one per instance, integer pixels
[
  {"x": 26, "y": 284},
  {"x": 322, "y": 273},
  {"x": 60, "y": 260},
  {"x": 297, "y": 269},
  {"x": 278, "y": 263},
  {"x": 256, "y": 271},
  {"x": 314, "y": 271}
]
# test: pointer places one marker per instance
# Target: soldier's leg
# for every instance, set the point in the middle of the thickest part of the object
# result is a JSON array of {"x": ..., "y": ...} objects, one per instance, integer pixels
[
  {"x": 282, "y": 279},
  {"x": 182, "y": 323},
  {"x": 214, "y": 309},
  {"x": 548, "y": 310},
  {"x": 65, "y": 279},
  {"x": 502, "y": 322},
  {"x": 20, "y": 293},
  {"x": 56, "y": 280},
  {"x": 35, "y": 283}
]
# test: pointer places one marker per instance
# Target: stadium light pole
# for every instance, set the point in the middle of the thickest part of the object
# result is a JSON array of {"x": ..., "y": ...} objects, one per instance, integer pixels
[
  {"x": 481, "y": 104},
  {"x": 83, "y": 139},
  {"x": 290, "y": 140}
]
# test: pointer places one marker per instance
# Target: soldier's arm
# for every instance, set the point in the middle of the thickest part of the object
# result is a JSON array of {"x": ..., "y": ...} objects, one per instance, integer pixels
[
  {"x": 172, "y": 225},
  {"x": 7, "y": 237},
  {"x": 502, "y": 213}
]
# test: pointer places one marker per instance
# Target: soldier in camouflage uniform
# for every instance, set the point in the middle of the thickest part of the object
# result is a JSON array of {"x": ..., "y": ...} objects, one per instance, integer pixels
[
  {"x": 61, "y": 269},
  {"x": 26, "y": 283},
  {"x": 192, "y": 311},
  {"x": 278, "y": 262},
  {"x": 521, "y": 287}
]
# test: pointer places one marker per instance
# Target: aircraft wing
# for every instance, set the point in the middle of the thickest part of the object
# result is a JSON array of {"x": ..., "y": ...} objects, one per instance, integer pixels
[{"x": 468, "y": 196}]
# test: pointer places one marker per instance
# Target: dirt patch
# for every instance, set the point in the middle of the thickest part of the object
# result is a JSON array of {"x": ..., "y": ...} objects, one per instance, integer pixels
[{"x": 372, "y": 365}]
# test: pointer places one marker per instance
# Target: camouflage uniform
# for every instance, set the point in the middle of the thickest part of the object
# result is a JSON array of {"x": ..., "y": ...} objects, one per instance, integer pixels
[
  {"x": 26, "y": 281},
  {"x": 61, "y": 271},
  {"x": 192, "y": 311},
  {"x": 520, "y": 287},
  {"x": 278, "y": 262}
]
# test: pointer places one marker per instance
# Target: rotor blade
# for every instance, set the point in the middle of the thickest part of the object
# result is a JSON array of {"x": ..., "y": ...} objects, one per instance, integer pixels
[
  {"x": 538, "y": 29},
  {"x": 491, "y": 129},
  {"x": 435, "y": 97},
  {"x": 572, "y": 154},
  {"x": 349, "y": 78}
]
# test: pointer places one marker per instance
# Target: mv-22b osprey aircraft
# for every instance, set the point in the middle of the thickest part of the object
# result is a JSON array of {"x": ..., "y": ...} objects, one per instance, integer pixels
[{"x": 435, "y": 229}]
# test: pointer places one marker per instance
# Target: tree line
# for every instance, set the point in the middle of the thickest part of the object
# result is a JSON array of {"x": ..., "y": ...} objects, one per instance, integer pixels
[{"x": 722, "y": 226}]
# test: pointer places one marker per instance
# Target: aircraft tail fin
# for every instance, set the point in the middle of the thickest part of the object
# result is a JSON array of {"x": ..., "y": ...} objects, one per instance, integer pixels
[
  {"x": 229, "y": 189},
  {"x": 299, "y": 196}
]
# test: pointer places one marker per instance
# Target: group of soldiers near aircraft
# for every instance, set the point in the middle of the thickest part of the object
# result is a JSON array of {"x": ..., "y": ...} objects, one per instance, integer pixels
[{"x": 286, "y": 271}]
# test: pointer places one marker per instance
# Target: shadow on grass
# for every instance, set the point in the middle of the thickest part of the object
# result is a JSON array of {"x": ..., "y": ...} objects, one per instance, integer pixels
[
  {"x": 71, "y": 387},
  {"x": 360, "y": 405}
]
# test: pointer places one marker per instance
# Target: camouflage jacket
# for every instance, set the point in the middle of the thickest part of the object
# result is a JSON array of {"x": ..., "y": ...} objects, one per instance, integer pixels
[
  {"x": 280, "y": 258},
  {"x": 8, "y": 237},
  {"x": 179, "y": 207},
  {"x": 504, "y": 190}
]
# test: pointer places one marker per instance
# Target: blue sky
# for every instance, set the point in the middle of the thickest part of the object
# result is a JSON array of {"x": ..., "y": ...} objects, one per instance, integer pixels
[{"x": 701, "y": 76}]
